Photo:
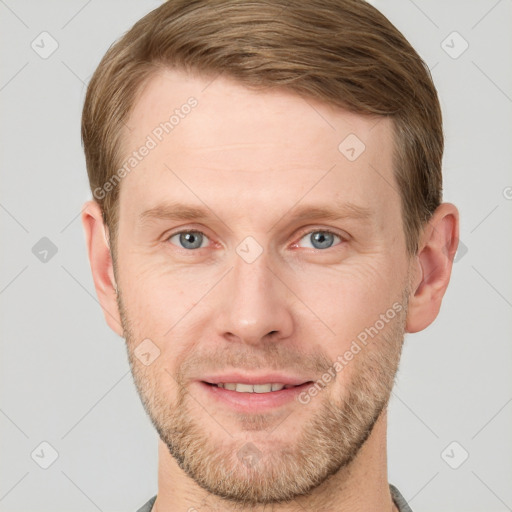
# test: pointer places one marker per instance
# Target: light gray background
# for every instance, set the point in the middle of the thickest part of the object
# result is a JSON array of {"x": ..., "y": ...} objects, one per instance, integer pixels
[{"x": 65, "y": 376}]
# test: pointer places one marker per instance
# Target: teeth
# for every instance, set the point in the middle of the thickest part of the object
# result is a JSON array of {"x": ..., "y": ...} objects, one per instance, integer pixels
[
  {"x": 244, "y": 388},
  {"x": 249, "y": 388},
  {"x": 262, "y": 388}
]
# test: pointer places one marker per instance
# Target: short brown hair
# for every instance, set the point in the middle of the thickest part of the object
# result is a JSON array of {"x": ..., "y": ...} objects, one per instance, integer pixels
[{"x": 341, "y": 52}]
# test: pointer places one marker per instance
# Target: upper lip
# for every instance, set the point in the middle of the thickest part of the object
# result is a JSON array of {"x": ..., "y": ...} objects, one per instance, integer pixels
[{"x": 268, "y": 378}]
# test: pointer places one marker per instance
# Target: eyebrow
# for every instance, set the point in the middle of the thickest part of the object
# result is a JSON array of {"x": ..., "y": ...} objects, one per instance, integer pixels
[{"x": 185, "y": 212}]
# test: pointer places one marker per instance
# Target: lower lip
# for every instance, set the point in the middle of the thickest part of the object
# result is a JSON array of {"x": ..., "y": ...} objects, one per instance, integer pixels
[{"x": 253, "y": 402}]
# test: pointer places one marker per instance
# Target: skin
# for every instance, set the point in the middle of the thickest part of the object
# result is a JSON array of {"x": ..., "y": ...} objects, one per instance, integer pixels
[{"x": 253, "y": 158}]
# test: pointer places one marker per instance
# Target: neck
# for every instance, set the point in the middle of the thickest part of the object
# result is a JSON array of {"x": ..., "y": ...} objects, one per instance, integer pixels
[{"x": 360, "y": 487}]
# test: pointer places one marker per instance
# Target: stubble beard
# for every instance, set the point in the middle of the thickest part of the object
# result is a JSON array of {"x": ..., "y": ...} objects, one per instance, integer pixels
[{"x": 280, "y": 471}]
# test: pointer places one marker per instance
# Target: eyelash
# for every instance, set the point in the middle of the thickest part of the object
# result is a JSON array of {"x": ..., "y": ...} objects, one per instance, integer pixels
[{"x": 302, "y": 235}]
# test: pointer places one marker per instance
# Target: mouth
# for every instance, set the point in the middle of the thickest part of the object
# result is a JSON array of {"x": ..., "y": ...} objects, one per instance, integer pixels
[
  {"x": 253, "y": 395},
  {"x": 240, "y": 387}
]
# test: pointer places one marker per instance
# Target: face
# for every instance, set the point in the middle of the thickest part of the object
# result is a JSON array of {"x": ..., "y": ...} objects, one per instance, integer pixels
[{"x": 254, "y": 253}]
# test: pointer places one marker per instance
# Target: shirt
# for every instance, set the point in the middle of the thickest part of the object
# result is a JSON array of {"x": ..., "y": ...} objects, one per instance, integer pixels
[{"x": 398, "y": 499}]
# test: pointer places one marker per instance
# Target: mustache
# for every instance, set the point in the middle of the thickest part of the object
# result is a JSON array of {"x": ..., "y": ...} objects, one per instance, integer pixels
[{"x": 240, "y": 356}]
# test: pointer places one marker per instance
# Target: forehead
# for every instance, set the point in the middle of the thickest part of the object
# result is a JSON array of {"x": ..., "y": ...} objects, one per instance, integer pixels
[{"x": 213, "y": 139}]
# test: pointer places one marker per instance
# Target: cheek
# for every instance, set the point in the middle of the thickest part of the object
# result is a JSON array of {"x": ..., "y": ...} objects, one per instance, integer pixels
[
  {"x": 345, "y": 300},
  {"x": 157, "y": 296},
  {"x": 333, "y": 302}
]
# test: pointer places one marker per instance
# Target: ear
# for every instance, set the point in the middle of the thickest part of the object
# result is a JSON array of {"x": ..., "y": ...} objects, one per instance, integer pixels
[
  {"x": 101, "y": 264},
  {"x": 433, "y": 267}
]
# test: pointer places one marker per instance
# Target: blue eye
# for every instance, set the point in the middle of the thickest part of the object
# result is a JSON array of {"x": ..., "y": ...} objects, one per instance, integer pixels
[
  {"x": 321, "y": 239},
  {"x": 190, "y": 239}
]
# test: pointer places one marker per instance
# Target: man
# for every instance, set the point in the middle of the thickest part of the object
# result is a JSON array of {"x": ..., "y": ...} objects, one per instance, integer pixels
[{"x": 266, "y": 225}]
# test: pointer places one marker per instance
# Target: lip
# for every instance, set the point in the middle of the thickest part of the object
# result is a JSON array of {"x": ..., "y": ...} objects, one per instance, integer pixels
[
  {"x": 252, "y": 402},
  {"x": 268, "y": 378}
]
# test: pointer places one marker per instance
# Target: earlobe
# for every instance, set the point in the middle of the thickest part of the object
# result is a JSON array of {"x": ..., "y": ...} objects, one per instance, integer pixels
[
  {"x": 96, "y": 236},
  {"x": 434, "y": 261}
]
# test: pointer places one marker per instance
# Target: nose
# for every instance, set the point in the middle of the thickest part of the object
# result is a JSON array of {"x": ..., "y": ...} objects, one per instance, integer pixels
[{"x": 256, "y": 305}]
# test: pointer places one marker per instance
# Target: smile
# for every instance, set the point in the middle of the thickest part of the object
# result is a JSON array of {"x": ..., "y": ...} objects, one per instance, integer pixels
[{"x": 250, "y": 388}]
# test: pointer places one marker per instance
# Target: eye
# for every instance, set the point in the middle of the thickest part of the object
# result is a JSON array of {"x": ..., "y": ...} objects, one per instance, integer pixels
[
  {"x": 321, "y": 238},
  {"x": 189, "y": 239}
]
